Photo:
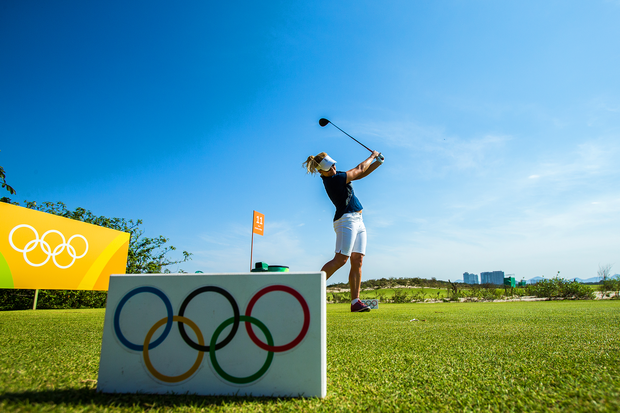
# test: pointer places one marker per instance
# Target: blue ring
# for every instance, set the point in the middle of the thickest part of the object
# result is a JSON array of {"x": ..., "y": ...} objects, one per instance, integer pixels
[{"x": 117, "y": 315}]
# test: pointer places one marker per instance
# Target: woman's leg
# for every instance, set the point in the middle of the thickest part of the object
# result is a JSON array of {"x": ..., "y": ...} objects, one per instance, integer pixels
[
  {"x": 332, "y": 266},
  {"x": 355, "y": 274}
]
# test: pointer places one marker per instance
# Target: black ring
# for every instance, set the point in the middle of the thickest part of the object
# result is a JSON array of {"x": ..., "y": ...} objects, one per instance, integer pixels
[{"x": 235, "y": 326}]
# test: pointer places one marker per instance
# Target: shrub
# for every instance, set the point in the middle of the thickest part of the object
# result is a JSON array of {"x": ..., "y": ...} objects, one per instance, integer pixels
[
  {"x": 11, "y": 300},
  {"x": 560, "y": 288},
  {"x": 611, "y": 284},
  {"x": 454, "y": 295},
  {"x": 342, "y": 297},
  {"x": 401, "y": 296},
  {"x": 487, "y": 293},
  {"x": 16, "y": 299},
  {"x": 418, "y": 295}
]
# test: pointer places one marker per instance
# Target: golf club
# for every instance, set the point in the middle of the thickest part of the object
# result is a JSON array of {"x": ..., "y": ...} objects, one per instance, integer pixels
[{"x": 323, "y": 122}]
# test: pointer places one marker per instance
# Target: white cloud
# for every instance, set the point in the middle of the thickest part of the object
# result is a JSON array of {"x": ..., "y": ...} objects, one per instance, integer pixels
[
  {"x": 588, "y": 167},
  {"x": 434, "y": 152},
  {"x": 603, "y": 111}
]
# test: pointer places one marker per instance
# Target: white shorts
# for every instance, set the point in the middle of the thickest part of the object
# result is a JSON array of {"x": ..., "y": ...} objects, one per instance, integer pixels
[{"x": 350, "y": 234}]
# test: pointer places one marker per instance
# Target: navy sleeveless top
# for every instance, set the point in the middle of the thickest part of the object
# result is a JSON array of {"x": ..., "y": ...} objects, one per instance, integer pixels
[{"x": 341, "y": 194}]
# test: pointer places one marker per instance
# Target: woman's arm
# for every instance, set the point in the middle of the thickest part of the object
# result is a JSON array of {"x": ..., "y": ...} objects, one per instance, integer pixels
[
  {"x": 364, "y": 168},
  {"x": 370, "y": 169}
]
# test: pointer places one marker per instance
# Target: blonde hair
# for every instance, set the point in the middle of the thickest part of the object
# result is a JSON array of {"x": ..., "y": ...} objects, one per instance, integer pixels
[{"x": 312, "y": 163}]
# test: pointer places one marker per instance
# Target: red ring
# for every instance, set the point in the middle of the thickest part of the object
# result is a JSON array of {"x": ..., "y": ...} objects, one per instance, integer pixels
[{"x": 304, "y": 328}]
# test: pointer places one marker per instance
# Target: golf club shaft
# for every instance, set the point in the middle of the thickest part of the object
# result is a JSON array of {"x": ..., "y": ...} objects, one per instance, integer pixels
[{"x": 350, "y": 136}]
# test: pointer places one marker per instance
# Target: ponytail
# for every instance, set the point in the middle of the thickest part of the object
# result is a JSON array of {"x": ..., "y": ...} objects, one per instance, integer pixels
[{"x": 312, "y": 163}]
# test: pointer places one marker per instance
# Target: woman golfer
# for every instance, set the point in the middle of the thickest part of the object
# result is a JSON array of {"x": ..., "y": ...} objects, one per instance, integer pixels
[{"x": 348, "y": 223}]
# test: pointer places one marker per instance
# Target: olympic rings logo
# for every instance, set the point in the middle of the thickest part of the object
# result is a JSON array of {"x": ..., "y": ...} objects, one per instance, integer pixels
[
  {"x": 213, "y": 343},
  {"x": 45, "y": 246},
  {"x": 371, "y": 303}
]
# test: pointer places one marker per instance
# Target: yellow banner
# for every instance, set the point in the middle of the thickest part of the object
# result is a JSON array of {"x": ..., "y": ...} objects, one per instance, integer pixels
[{"x": 44, "y": 251}]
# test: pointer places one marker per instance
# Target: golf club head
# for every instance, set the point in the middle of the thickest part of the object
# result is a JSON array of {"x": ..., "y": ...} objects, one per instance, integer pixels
[{"x": 323, "y": 121}]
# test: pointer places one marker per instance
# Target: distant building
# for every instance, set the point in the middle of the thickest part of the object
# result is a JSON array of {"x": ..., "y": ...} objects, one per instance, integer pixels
[
  {"x": 492, "y": 277},
  {"x": 470, "y": 278}
]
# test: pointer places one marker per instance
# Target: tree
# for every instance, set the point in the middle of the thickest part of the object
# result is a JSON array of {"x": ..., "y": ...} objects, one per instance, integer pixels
[
  {"x": 604, "y": 271},
  {"x": 4, "y": 184},
  {"x": 145, "y": 255}
]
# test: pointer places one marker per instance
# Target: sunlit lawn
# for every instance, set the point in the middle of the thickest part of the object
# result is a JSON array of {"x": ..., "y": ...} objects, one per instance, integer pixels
[
  {"x": 424, "y": 293},
  {"x": 521, "y": 356}
]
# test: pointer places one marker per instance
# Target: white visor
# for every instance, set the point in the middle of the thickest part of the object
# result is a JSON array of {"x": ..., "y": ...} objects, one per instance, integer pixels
[{"x": 326, "y": 163}]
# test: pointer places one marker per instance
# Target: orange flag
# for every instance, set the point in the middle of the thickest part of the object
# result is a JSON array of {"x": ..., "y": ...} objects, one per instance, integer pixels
[{"x": 259, "y": 223}]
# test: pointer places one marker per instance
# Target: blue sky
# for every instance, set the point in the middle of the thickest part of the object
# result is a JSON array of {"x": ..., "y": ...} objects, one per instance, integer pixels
[{"x": 499, "y": 121}]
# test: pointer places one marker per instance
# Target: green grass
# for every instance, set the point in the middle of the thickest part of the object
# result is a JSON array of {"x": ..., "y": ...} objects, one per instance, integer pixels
[
  {"x": 389, "y": 292},
  {"x": 521, "y": 356}
]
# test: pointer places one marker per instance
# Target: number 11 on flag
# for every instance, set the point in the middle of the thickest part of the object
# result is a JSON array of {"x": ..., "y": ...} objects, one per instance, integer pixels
[{"x": 259, "y": 223}]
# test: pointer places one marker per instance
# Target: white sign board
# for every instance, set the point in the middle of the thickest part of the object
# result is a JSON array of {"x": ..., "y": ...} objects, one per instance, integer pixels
[
  {"x": 258, "y": 334},
  {"x": 373, "y": 304}
]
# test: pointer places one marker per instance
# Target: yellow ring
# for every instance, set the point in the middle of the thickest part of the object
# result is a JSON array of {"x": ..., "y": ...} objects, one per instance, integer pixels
[{"x": 147, "y": 340}]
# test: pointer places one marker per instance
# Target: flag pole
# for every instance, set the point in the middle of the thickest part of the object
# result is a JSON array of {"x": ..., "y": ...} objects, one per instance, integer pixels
[
  {"x": 252, "y": 244},
  {"x": 258, "y": 225}
]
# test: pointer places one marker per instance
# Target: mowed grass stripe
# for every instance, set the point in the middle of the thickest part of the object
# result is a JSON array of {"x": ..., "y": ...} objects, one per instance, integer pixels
[{"x": 549, "y": 356}]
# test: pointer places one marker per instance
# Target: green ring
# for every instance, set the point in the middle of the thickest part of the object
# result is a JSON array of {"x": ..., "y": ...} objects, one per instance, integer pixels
[{"x": 220, "y": 371}]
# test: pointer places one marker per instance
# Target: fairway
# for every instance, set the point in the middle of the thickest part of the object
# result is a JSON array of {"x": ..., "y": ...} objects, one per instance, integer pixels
[{"x": 532, "y": 356}]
